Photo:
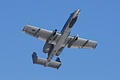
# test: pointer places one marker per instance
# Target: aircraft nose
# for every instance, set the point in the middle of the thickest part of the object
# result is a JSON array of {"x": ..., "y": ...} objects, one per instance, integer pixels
[{"x": 78, "y": 10}]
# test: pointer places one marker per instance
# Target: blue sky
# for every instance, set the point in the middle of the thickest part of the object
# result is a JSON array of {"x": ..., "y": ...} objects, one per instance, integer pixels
[{"x": 99, "y": 20}]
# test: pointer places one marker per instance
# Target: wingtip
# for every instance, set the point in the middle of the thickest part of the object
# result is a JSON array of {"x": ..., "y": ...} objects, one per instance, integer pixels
[
  {"x": 24, "y": 28},
  {"x": 96, "y": 45}
]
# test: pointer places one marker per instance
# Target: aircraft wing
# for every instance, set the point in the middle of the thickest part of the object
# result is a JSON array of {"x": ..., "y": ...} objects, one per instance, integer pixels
[
  {"x": 75, "y": 42},
  {"x": 40, "y": 33}
]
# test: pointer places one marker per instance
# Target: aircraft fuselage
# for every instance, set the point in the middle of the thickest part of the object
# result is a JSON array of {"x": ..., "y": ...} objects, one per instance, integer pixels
[
  {"x": 55, "y": 41},
  {"x": 65, "y": 33}
]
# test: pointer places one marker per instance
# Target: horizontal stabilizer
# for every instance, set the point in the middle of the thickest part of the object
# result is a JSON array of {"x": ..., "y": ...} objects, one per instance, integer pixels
[{"x": 42, "y": 61}]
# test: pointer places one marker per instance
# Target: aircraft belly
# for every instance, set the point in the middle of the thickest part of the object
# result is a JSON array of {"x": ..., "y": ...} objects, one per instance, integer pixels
[
  {"x": 53, "y": 52},
  {"x": 58, "y": 45}
]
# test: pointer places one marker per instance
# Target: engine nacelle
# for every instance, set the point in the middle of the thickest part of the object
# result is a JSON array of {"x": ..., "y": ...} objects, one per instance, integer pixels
[
  {"x": 48, "y": 47},
  {"x": 59, "y": 51}
]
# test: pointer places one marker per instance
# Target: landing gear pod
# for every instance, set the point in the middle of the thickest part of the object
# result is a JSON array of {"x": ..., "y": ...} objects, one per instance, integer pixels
[{"x": 42, "y": 61}]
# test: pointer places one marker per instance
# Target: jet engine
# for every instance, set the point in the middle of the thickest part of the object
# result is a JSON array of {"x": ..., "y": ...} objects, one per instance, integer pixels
[
  {"x": 48, "y": 45},
  {"x": 59, "y": 51},
  {"x": 48, "y": 48}
]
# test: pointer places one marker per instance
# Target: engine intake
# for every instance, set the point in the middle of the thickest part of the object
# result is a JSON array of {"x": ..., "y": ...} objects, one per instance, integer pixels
[{"x": 48, "y": 47}]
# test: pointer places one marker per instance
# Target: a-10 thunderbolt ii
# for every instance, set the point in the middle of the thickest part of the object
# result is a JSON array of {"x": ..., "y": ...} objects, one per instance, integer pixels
[{"x": 55, "y": 41}]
